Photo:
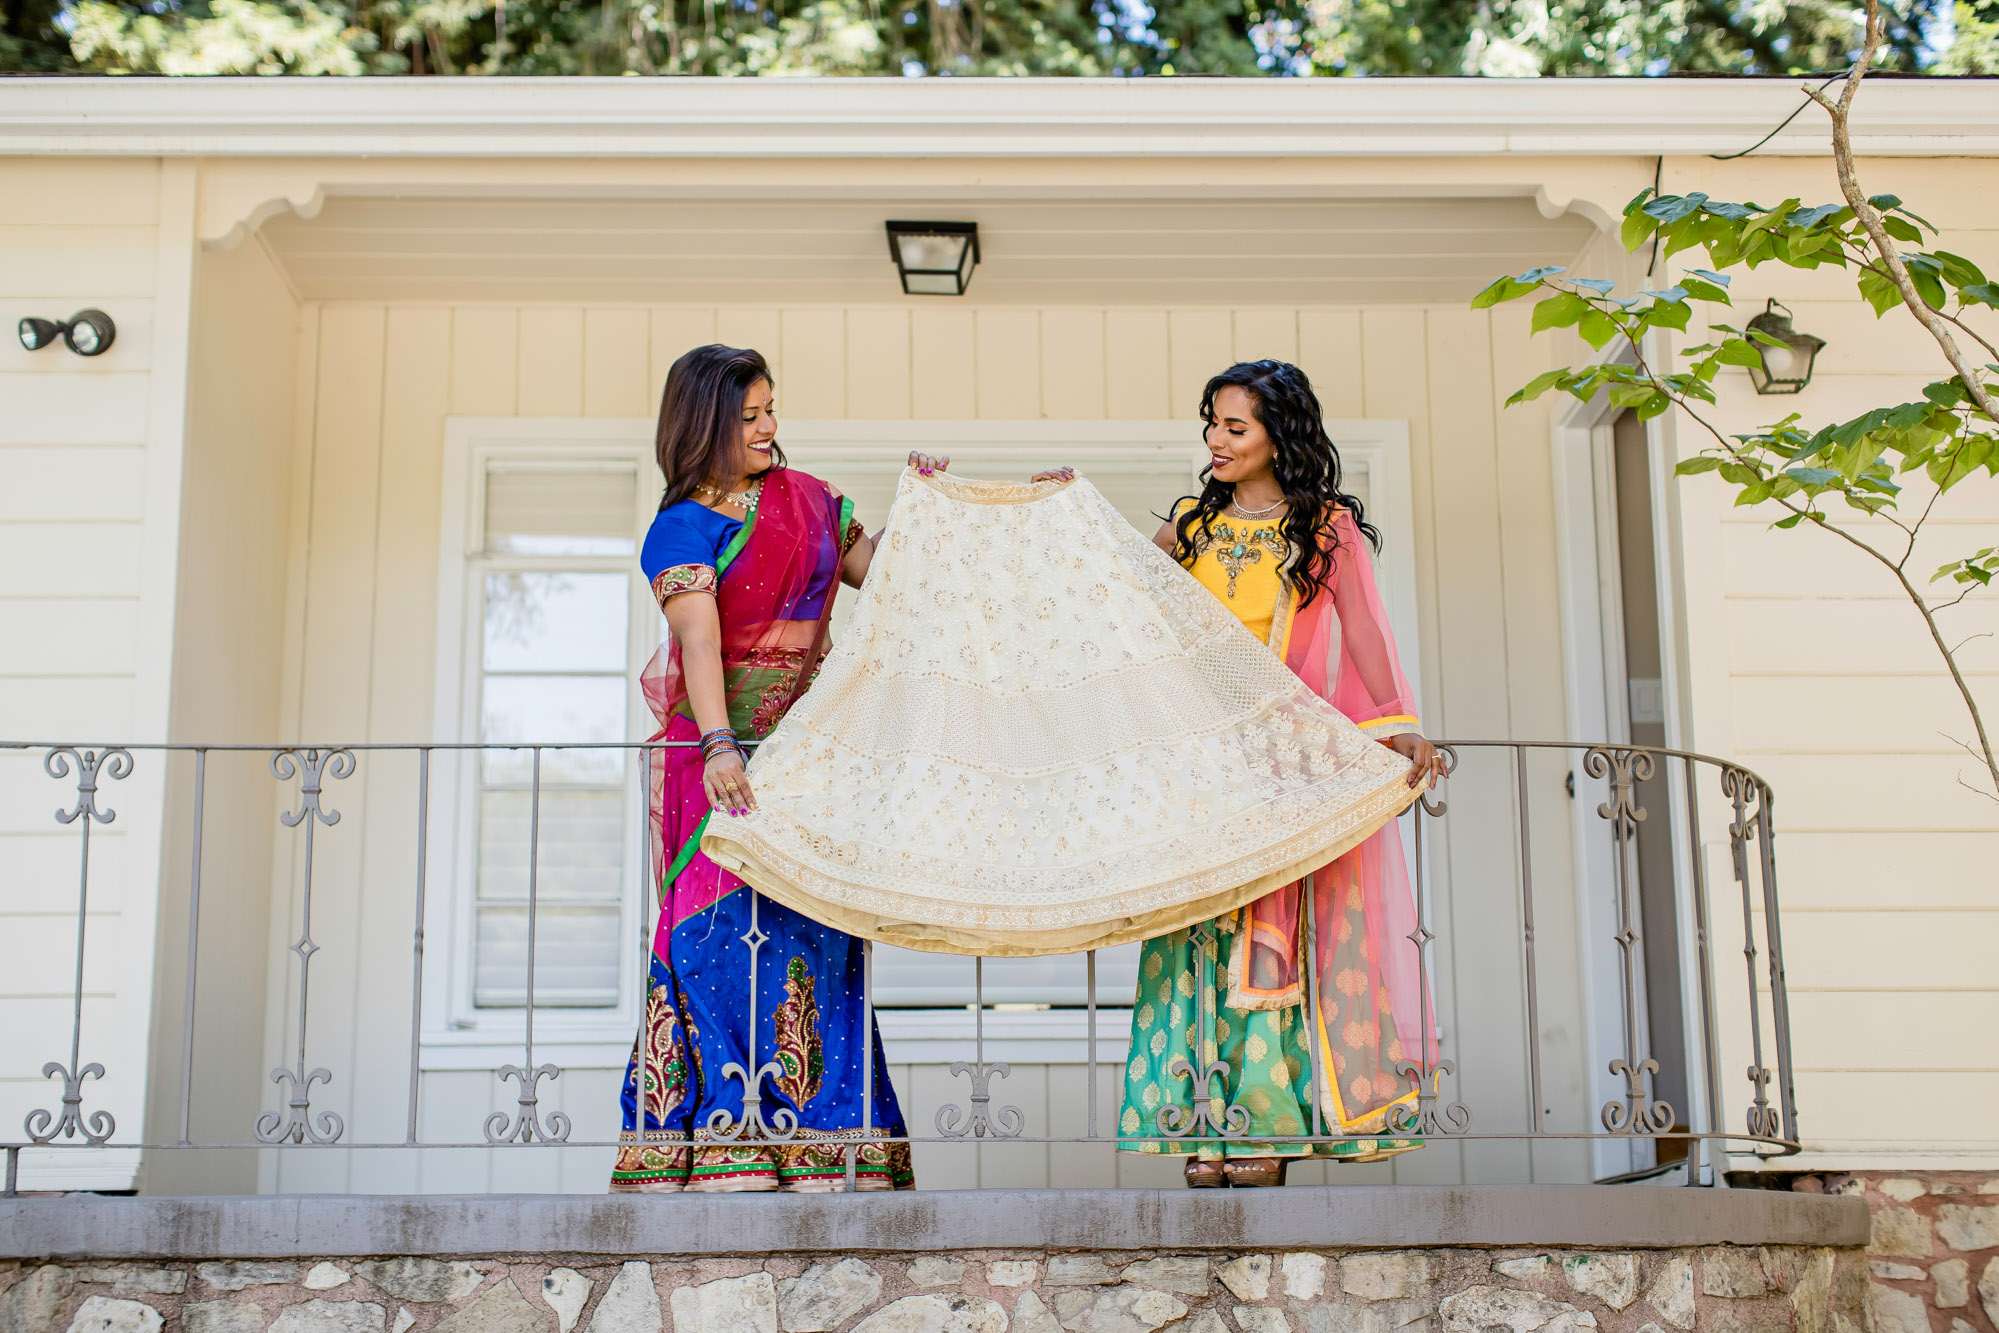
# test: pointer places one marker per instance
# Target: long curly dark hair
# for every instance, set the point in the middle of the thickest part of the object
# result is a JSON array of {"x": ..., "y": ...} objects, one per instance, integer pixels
[
  {"x": 1306, "y": 462},
  {"x": 701, "y": 416}
]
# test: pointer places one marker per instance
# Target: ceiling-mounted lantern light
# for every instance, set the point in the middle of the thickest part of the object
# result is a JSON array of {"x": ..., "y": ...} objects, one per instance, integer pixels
[
  {"x": 1785, "y": 369},
  {"x": 934, "y": 258}
]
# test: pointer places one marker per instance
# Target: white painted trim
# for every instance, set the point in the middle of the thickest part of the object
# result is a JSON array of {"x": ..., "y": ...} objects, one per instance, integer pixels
[
  {"x": 450, "y": 1020},
  {"x": 1589, "y": 597},
  {"x": 1056, "y": 118}
]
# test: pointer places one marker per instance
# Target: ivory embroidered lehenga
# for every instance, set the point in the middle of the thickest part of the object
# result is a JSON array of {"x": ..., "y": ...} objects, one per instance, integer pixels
[
  {"x": 773, "y": 577},
  {"x": 1037, "y": 736},
  {"x": 1241, "y": 978}
]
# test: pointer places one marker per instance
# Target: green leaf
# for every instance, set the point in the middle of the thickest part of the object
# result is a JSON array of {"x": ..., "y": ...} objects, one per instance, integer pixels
[
  {"x": 1597, "y": 329},
  {"x": 1959, "y": 271},
  {"x": 1693, "y": 466},
  {"x": 1667, "y": 314},
  {"x": 1806, "y": 218},
  {"x": 1738, "y": 352},
  {"x": 1703, "y": 291},
  {"x": 1929, "y": 287},
  {"x": 1673, "y": 207},
  {"x": 1812, "y": 476},
  {"x": 1740, "y": 474},
  {"x": 1902, "y": 231},
  {"x": 1884, "y": 202},
  {"x": 1537, "y": 386},
  {"x": 1881, "y": 293},
  {"x": 1733, "y": 212},
  {"x": 1639, "y": 198},
  {"x": 1791, "y": 522},
  {"x": 1502, "y": 289},
  {"x": 1637, "y": 226},
  {"x": 1755, "y": 493},
  {"x": 1980, "y": 293},
  {"x": 1945, "y": 393},
  {"x": 1630, "y": 395},
  {"x": 1654, "y": 405},
  {"x": 1559, "y": 311},
  {"x": 1774, "y": 218}
]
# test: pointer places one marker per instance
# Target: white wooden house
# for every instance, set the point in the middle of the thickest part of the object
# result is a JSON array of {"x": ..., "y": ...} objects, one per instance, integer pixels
[{"x": 387, "y": 356}]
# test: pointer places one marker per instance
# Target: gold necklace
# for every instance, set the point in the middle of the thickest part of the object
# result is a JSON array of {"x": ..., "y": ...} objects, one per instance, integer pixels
[
  {"x": 1265, "y": 512},
  {"x": 746, "y": 499}
]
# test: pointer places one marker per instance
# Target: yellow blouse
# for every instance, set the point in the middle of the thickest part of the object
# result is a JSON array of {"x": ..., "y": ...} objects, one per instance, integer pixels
[{"x": 1241, "y": 561}]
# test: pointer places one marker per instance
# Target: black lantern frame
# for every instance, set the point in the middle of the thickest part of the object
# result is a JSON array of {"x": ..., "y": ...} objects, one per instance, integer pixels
[
  {"x": 947, "y": 269},
  {"x": 1803, "y": 348}
]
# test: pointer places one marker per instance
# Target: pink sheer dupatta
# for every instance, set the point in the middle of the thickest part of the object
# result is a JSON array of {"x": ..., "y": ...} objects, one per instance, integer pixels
[{"x": 1342, "y": 647}]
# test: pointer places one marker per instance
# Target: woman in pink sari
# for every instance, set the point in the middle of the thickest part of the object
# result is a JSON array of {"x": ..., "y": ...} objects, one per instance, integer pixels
[
  {"x": 756, "y": 1065},
  {"x": 1273, "y": 536}
]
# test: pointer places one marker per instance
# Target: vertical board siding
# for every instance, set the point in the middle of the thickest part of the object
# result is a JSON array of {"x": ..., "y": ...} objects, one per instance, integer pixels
[
  {"x": 943, "y": 354},
  {"x": 1135, "y": 367},
  {"x": 1073, "y": 374},
  {"x": 365, "y": 610},
  {"x": 1820, "y": 676}
]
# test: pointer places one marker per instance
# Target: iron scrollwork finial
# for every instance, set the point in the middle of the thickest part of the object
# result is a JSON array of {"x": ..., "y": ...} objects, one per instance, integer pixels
[
  {"x": 954, "y": 1122},
  {"x": 312, "y": 767},
  {"x": 296, "y": 1124},
  {"x": 1429, "y": 1114},
  {"x": 1763, "y": 1119},
  {"x": 1447, "y": 756},
  {"x": 1638, "y": 1113},
  {"x": 527, "y": 1125},
  {"x": 111, "y": 763},
  {"x": 752, "y": 1124},
  {"x": 1625, "y": 768},
  {"x": 44, "y": 1125}
]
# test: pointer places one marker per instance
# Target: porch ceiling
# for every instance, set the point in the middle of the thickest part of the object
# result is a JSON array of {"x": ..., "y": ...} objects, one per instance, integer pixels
[{"x": 1036, "y": 251}]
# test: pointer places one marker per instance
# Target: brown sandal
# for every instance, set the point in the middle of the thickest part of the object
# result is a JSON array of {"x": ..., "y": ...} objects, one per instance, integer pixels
[
  {"x": 1251, "y": 1172},
  {"x": 1205, "y": 1175}
]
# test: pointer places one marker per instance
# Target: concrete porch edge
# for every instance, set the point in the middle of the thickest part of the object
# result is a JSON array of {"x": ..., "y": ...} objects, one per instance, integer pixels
[{"x": 1335, "y": 1217}]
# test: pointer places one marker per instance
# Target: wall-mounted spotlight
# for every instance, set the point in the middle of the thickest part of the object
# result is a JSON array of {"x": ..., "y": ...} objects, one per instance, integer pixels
[
  {"x": 1785, "y": 369},
  {"x": 88, "y": 332},
  {"x": 934, "y": 258}
]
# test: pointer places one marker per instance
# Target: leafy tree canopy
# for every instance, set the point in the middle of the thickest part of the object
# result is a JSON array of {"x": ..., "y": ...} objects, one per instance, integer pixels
[{"x": 984, "y": 37}]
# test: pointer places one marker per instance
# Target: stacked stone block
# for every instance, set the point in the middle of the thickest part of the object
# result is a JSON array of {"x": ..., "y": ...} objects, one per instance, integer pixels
[{"x": 1933, "y": 1259}]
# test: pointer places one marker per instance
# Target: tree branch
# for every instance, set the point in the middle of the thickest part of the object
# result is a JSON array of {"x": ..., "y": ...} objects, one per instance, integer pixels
[{"x": 1884, "y": 245}]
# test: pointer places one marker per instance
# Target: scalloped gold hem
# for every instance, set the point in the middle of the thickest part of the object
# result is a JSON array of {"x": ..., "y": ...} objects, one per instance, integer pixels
[{"x": 801, "y": 888}]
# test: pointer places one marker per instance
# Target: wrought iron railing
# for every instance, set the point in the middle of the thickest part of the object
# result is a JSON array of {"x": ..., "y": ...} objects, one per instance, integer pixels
[{"x": 1603, "y": 859}]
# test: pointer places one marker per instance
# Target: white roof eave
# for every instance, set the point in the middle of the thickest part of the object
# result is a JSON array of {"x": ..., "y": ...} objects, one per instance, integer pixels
[{"x": 1063, "y": 118}]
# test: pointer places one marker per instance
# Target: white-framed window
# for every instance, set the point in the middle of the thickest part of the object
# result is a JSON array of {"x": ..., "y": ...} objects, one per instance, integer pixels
[
  {"x": 545, "y": 624},
  {"x": 533, "y": 569}
]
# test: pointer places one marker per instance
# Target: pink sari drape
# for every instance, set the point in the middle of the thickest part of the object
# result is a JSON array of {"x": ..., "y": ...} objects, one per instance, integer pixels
[
  {"x": 1342, "y": 647},
  {"x": 774, "y": 595}
]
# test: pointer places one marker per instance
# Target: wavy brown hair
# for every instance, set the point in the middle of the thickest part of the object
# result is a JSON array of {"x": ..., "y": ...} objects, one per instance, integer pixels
[
  {"x": 1307, "y": 464},
  {"x": 701, "y": 416}
]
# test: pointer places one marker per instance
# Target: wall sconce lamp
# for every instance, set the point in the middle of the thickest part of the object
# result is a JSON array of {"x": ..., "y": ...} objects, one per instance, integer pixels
[
  {"x": 1785, "y": 369},
  {"x": 934, "y": 258},
  {"x": 88, "y": 332}
]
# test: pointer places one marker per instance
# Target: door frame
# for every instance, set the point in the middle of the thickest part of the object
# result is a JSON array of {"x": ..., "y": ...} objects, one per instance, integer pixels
[{"x": 1598, "y": 709}]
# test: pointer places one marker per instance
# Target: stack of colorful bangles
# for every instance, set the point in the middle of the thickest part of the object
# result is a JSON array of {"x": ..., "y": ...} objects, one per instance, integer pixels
[{"x": 721, "y": 739}]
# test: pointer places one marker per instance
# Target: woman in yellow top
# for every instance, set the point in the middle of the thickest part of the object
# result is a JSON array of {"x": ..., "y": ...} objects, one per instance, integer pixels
[{"x": 1275, "y": 538}]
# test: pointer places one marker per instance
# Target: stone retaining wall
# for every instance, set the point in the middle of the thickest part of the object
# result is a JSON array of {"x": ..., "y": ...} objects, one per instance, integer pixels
[
  {"x": 1729, "y": 1289},
  {"x": 1933, "y": 1258}
]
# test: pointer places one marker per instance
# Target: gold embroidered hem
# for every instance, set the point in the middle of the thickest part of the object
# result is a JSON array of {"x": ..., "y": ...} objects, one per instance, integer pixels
[
  {"x": 682, "y": 578},
  {"x": 1039, "y": 735}
]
